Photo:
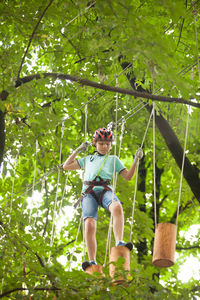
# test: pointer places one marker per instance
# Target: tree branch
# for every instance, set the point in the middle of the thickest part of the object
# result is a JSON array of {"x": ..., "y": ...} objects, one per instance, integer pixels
[
  {"x": 25, "y": 289},
  {"x": 181, "y": 29},
  {"x": 181, "y": 209},
  {"x": 188, "y": 248},
  {"x": 104, "y": 87},
  {"x": 31, "y": 38}
]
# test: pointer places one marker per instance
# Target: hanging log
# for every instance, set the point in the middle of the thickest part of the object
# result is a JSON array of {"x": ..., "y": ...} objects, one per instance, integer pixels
[
  {"x": 115, "y": 253},
  {"x": 164, "y": 245}
]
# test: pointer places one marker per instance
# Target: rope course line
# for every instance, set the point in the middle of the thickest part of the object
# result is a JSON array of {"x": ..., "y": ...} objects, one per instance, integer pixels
[
  {"x": 92, "y": 98},
  {"x": 74, "y": 248},
  {"x": 154, "y": 167},
  {"x": 81, "y": 219},
  {"x": 12, "y": 192},
  {"x": 196, "y": 37},
  {"x": 182, "y": 168},
  {"x": 83, "y": 223},
  {"x": 47, "y": 174},
  {"x": 56, "y": 198},
  {"x": 134, "y": 200},
  {"x": 43, "y": 184},
  {"x": 87, "y": 8},
  {"x": 109, "y": 236},
  {"x": 63, "y": 194},
  {"x": 34, "y": 177},
  {"x": 136, "y": 179}
]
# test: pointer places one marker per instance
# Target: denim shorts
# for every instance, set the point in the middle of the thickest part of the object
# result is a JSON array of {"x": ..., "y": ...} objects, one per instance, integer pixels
[{"x": 90, "y": 205}]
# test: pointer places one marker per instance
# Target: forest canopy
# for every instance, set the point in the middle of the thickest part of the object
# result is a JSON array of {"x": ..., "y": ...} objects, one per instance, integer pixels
[{"x": 68, "y": 68}]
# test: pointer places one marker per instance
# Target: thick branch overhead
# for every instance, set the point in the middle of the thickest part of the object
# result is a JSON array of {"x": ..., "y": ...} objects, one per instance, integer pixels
[{"x": 104, "y": 87}]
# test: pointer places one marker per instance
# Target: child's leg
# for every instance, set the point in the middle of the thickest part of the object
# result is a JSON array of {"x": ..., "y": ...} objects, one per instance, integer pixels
[
  {"x": 118, "y": 220},
  {"x": 89, "y": 208},
  {"x": 90, "y": 238}
]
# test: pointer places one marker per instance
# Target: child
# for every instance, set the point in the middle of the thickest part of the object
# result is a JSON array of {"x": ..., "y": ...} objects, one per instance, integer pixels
[{"x": 97, "y": 189}]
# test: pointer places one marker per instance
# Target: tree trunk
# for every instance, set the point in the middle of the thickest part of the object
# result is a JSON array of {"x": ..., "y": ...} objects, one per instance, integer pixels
[{"x": 142, "y": 245}]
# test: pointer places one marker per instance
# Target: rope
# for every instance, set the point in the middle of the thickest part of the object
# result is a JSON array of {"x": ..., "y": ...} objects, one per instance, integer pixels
[
  {"x": 136, "y": 179},
  {"x": 12, "y": 193},
  {"x": 196, "y": 36},
  {"x": 86, "y": 114},
  {"x": 43, "y": 183},
  {"x": 121, "y": 136},
  {"x": 46, "y": 175},
  {"x": 63, "y": 194},
  {"x": 56, "y": 198},
  {"x": 154, "y": 167},
  {"x": 80, "y": 14},
  {"x": 134, "y": 198},
  {"x": 183, "y": 162},
  {"x": 109, "y": 236},
  {"x": 34, "y": 176},
  {"x": 83, "y": 223},
  {"x": 74, "y": 248},
  {"x": 115, "y": 148},
  {"x": 93, "y": 97},
  {"x": 142, "y": 144}
]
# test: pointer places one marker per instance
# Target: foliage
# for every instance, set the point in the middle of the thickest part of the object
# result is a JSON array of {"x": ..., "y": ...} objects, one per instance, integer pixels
[{"x": 45, "y": 120}]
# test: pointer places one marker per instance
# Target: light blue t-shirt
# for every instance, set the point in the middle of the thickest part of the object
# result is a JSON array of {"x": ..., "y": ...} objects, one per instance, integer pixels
[{"x": 92, "y": 163}]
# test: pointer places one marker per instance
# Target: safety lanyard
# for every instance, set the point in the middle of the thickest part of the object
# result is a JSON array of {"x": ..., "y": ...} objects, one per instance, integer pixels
[{"x": 102, "y": 164}]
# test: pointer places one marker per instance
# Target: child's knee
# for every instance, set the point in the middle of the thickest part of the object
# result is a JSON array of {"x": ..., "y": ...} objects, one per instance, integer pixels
[
  {"x": 116, "y": 208},
  {"x": 90, "y": 224}
]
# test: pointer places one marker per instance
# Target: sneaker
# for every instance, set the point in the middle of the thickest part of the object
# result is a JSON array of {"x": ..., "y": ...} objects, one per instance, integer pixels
[
  {"x": 86, "y": 264},
  {"x": 129, "y": 245}
]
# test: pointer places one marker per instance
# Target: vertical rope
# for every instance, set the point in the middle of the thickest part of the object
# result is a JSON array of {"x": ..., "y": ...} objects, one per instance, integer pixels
[
  {"x": 197, "y": 44},
  {"x": 12, "y": 192},
  {"x": 142, "y": 144},
  {"x": 2, "y": 281},
  {"x": 115, "y": 149},
  {"x": 136, "y": 179},
  {"x": 63, "y": 194},
  {"x": 86, "y": 115},
  {"x": 134, "y": 198},
  {"x": 74, "y": 248},
  {"x": 83, "y": 226},
  {"x": 25, "y": 195},
  {"x": 34, "y": 176},
  {"x": 154, "y": 166},
  {"x": 56, "y": 198},
  {"x": 182, "y": 168},
  {"x": 121, "y": 136},
  {"x": 109, "y": 236},
  {"x": 83, "y": 222},
  {"x": 43, "y": 183}
]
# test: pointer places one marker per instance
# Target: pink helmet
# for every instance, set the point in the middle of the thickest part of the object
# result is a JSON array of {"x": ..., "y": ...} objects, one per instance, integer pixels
[{"x": 103, "y": 134}]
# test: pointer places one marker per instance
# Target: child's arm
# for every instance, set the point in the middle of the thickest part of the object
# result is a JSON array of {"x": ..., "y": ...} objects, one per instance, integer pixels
[
  {"x": 71, "y": 163},
  {"x": 128, "y": 174}
]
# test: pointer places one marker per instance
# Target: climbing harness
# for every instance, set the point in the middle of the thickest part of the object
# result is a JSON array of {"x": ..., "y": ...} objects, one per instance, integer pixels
[{"x": 98, "y": 181}]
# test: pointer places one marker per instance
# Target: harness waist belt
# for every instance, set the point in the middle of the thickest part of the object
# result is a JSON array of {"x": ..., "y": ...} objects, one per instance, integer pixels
[
  {"x": 97, "y": 183},
  {"x": 89, "y": 190}
]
